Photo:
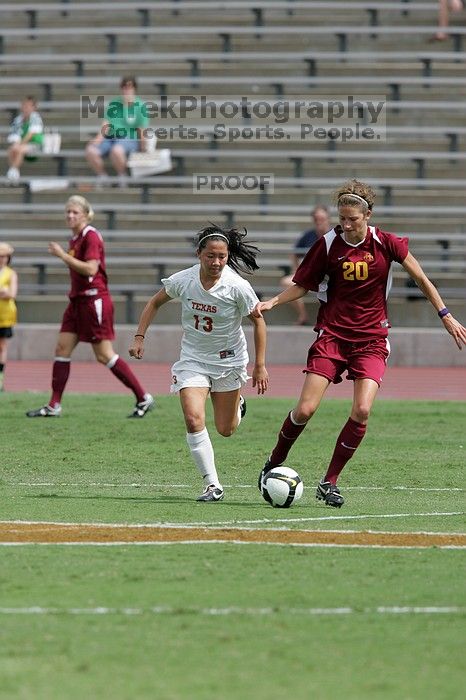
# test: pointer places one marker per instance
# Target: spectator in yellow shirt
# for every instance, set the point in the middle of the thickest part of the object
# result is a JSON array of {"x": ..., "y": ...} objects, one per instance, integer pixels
[{"x": 8, "y": 291}]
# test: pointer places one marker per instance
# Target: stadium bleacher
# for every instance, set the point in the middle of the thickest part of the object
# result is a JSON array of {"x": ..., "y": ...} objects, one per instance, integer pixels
[
  {"x": 224, "y": 37},
  {"x": 283, "y": 49},
  {"x": 279, "y": 85}
]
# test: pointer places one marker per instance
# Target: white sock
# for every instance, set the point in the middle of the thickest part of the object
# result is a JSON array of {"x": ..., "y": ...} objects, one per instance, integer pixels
[{"x": 202, "y": 453}]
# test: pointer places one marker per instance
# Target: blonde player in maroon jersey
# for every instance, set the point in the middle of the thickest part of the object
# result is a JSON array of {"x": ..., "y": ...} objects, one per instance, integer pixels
[
  {"x": 89, "y": 315},
  {"x": 350, "y": 269}
]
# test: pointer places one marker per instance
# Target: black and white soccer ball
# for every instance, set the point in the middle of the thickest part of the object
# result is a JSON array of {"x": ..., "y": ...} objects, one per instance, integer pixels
[{"x": 282, "y": 487}]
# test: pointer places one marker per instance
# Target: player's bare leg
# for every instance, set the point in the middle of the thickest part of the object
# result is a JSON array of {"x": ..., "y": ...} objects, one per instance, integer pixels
[
  {"x": 103, "y": 351},
  {"x": 365, "y": 391},
  {"x": 312, "y": 393},
  {"x": 226, "y": 411},
  {"x": 193, "y": 405}
]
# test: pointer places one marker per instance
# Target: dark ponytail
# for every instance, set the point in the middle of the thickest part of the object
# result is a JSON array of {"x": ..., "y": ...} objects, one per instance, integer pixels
[{"x": 241, "y": 256}]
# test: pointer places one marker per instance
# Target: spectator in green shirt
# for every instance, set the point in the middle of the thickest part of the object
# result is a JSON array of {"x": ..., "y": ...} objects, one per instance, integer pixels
[
  {"x": 122, "y": 132},
  {"x": 25, "y": 137}
]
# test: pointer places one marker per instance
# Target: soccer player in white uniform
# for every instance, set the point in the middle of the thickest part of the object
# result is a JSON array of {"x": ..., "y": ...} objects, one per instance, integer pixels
[{"x": 214, "y": 356}]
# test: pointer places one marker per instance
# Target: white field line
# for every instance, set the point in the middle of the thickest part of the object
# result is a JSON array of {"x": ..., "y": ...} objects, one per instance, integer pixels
[
  {"x": 136, "y": 485},
  {"x": 222, "y": 612},
  {"x": 333, "y": 518},
  {"x": 238, "y": 524}
]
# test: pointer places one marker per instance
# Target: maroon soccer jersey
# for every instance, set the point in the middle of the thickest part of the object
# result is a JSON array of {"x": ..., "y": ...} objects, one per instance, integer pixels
[
  {"x": 88, "y": 245},
  {"x": 352, "y": 282}
]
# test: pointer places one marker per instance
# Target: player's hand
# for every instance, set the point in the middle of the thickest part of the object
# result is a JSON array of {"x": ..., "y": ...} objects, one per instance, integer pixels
[
  {"x": 56, "y": 249},
  {"x": 260, "y": 307},
  {"x": 455, "y": 329},
  {"x": 260, "y": 378},
  {"x": 137, "y": 348}
]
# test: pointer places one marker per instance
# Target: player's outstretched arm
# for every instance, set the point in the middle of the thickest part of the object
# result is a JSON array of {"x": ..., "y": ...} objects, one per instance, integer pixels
[
  {"x": 260, "y": 376},
  {"x": 291, "y": 294},
  {"x": 147, "y": 316},
  {"x": 454, "y": 327}
]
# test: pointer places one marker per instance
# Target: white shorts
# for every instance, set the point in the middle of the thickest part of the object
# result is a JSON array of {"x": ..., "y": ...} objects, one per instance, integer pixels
[{"x": 208, "y": 376}]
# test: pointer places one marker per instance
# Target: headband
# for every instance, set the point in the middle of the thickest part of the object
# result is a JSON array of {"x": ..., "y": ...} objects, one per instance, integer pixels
[
  {"x": 356, "y": 196},
  {"x": 213, "y": 234}
]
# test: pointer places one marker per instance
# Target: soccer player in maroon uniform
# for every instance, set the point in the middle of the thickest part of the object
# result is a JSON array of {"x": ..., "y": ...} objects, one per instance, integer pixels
[
  {"x": 89, "y": 314},
  {"x": 350, "y": 269}
]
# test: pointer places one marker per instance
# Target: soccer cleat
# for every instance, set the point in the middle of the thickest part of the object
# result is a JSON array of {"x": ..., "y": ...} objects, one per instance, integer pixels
[
  {"x": 330, "y": 493},
  {"x": 44, "y": 412},
  {"x": 266, "y": 468},
  {"x": 242, "y": 406},
  {"x": 141, "y": 408},
  {"x": 241, "y": 412},
  {"x": 211, "y": 494}
]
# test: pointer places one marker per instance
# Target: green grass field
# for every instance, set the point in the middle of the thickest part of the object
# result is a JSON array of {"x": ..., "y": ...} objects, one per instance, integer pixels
[{"x": 201, "y": 621}]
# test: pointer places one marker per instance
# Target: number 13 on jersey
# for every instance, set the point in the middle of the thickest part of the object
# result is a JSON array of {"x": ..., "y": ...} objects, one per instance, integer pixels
[{"x": 205, "y": 323}]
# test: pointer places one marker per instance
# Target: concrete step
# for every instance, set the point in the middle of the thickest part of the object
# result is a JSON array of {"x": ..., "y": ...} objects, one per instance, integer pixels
[{"x": 402, "y": 314}]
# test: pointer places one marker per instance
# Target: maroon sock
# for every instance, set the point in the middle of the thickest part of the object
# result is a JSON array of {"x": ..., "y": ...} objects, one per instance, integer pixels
[
  {"x": 287, "y": 436},
  {"x": 60, "y": 374},
  {"x": 122, "y": 371},
  {"x": 347, "y": 443}
]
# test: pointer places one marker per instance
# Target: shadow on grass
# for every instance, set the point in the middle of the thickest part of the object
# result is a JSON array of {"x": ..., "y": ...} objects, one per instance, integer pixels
[{"x": 141, "y": 499}]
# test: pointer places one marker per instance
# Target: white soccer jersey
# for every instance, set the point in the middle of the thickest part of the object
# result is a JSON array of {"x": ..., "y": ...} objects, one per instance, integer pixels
[{"x": 211, "y": 319}]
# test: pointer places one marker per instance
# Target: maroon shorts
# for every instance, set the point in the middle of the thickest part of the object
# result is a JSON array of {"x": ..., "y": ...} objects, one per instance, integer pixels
[
  {"x": 90, "y": 318},
  {"x": 330, "y": 357}
]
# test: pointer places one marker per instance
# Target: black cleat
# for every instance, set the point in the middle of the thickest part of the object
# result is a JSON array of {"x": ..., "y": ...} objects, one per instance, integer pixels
[
  {"x": 266, "y": 468},
  {"x": 330, "y": 494},
  {"x": 141, "y": 408},
  {"x": 44, "y": 412}
]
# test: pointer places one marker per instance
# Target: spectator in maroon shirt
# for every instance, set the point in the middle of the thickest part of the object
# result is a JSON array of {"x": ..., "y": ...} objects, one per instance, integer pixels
[
  {"x": 350, "y": 269},
  {"x": 89, "y": 314}
]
